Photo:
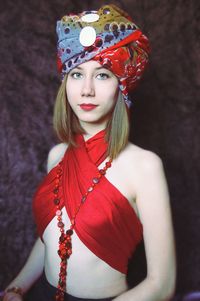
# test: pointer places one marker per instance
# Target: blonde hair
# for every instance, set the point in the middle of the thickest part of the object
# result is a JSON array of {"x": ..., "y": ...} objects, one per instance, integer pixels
[{"x": 66, "y": 123}]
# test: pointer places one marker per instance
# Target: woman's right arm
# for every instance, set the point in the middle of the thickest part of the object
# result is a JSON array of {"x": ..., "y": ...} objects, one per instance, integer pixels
[
  {"x": 35, "y": 263},
  {"x": 31, "y": 271}
]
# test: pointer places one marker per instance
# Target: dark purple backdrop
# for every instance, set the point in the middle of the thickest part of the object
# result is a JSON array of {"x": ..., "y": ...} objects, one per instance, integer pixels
[{"x": 165, "y": 116}]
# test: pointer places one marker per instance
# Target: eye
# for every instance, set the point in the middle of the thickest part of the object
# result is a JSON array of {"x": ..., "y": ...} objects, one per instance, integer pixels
[
  {"x": 103, "y": 76},
  {"x": 76, "y": 75}
]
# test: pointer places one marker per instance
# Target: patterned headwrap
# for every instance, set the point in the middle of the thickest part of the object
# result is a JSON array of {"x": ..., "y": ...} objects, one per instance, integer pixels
[{"x": 107, "y": 36}]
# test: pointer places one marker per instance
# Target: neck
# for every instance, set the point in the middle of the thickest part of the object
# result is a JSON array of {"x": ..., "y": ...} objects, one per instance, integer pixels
[{"x": 92, "y": 129}]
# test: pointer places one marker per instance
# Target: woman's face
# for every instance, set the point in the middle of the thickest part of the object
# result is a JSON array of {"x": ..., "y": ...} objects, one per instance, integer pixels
[{"x": 92, "y": 93}]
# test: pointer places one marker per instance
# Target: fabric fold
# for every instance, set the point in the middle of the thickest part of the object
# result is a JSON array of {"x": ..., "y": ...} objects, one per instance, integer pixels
[{"x": 106, "y": 222}]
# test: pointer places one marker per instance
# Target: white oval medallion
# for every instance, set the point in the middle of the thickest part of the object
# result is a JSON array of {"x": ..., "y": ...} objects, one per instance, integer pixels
[
  {"x": 87, "y": 36},
  {"x": 89, "y": 18}
]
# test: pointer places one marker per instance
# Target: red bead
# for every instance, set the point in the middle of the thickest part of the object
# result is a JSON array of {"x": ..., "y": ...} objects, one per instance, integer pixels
[
  {"x": 108, "y": 164},
  {"x": 56, "y": 201},
  {"x": 95, "y": 180},
  {"x": 63, "y": 271},
  {"x": 65, "y": 245},
  {"x": 69, "y": 251},
  {"x": 61, "y": 282},
  {"x": 68, "y": 245},
  {"x": 63, "y": 252},
  {"x": 69, "y": 232},
  {"x": 55, "y": 190},
  {"x": 59, "y": 171},
  {"x": 62, "y": 238},
  {"x": 58, "y": 212},
  {"x": 77, "y": 210},
  {"x": 60, "y": 224},
  {"x": 102, "y": 171},
  {"x": 83, "y": 199},
  {"x": 68, "y": 238}
]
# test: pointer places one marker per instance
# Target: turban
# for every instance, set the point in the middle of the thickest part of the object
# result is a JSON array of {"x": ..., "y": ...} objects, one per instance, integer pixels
[{"x": 107, "y": 36}]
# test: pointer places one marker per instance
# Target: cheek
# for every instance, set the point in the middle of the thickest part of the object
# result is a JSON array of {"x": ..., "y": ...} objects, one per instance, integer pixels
[
  {"x": 71, "y": 92},
  {"x": 108, "y": 90},
  {"x": 114, "y": 92},
  {"x": 114, "y": 88},
  {"x": 111, "y": 101}
]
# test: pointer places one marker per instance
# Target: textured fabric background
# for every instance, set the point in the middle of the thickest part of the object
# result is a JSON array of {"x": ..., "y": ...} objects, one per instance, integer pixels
[{"x": 165, "y": 116}]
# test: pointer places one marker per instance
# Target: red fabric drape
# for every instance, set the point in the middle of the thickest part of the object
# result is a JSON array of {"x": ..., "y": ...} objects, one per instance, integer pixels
[{"x": 106, "y": 222}]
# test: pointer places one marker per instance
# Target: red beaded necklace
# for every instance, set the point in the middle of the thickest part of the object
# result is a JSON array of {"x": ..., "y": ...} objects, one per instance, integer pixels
[{"x": 65, "y": 245}]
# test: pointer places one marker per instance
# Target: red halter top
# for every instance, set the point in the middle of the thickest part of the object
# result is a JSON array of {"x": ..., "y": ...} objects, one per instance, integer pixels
[{"x": 106, "y": 222}]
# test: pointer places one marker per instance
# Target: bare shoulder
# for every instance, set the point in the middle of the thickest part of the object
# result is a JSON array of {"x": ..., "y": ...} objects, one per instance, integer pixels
[
  {"x": 55, "y": 155},
  {"x": 145, "y": 158},
  {"x": 141, "y": 162},
  {"x": 144, "y": 168}
]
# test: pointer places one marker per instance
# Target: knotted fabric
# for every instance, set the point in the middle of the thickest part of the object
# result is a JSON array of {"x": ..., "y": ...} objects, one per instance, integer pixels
[
  {"x": 108, "y": 36},
  {"x": 106, "y": 222}
]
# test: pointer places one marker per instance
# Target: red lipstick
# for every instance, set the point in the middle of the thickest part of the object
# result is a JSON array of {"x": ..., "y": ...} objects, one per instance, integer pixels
[{"x": 88, "y": 106}]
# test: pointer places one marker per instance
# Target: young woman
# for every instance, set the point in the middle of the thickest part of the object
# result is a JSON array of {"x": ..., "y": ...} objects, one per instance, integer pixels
[{"x": 102, "y": 194}]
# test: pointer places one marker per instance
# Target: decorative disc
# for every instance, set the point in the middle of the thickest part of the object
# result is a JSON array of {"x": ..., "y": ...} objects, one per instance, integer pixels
[
  {"x": 89, "y": 18},
  {"x": 87, "y": 36}
]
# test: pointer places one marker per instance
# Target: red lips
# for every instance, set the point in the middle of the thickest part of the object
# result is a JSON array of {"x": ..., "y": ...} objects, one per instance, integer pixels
[{"x": 88, "y": 106}]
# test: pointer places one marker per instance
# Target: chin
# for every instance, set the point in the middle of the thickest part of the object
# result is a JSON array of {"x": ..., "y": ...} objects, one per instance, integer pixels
[{"x": 88, "y": 118}]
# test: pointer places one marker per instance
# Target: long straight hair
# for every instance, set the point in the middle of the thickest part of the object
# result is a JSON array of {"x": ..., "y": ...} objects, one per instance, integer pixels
[{"x": 67, "y": 125}]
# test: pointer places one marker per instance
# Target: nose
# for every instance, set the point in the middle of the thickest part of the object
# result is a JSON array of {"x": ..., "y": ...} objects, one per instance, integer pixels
[{"x": 88, "y": 87}]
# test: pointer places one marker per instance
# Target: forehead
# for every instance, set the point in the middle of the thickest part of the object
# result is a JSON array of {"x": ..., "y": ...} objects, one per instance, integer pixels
[{"x": 90, "y": 65}]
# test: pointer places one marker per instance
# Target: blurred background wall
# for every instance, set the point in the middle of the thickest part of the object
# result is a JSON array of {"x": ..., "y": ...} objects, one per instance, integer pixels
[{"x": 165, "y": 117}]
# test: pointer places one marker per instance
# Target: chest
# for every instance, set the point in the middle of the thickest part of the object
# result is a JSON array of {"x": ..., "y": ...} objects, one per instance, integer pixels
[{"x": 123, "y": 180}]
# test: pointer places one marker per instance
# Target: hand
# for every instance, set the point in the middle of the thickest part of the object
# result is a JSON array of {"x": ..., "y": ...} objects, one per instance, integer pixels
[{"x": 10, "y": 296}]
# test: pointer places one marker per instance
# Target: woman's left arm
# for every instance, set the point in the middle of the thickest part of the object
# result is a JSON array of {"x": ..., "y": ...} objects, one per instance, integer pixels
[{"x": 155, "y": 214}]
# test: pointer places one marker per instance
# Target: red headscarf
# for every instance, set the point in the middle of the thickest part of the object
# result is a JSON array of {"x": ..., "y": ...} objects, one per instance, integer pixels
[{"x": 108, "y": 36}]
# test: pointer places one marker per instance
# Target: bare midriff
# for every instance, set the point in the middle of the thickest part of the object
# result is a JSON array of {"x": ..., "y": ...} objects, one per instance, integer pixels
[{"x": 87, "y": 275}]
